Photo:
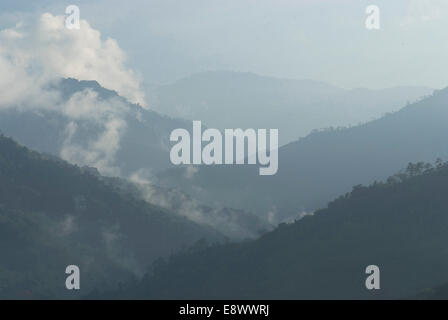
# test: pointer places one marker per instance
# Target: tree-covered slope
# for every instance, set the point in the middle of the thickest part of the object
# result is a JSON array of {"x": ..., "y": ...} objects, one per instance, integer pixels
[
  {"x": 400, "y": 225},
  {"x": 53, "y": 214},
  {"x": 84, "y": 119},
  {"x": 439, "y": 292}
]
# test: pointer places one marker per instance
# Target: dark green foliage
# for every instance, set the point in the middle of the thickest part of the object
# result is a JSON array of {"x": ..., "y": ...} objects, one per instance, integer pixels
[
  {"x": 400, "y": 225},
  {"x": 53, "y": 214},
  {"x": 436, "y": 293}
]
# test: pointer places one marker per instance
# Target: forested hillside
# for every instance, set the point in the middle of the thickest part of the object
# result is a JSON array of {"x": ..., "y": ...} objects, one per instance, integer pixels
[
  {"x": 400, "y": 225},
  {"x": 53, "y": 214}
]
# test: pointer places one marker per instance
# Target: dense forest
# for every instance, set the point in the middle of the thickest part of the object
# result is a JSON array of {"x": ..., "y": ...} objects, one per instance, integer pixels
[
  {"x": 53, "y": 214},
  {"x": 400, "y": 225}
]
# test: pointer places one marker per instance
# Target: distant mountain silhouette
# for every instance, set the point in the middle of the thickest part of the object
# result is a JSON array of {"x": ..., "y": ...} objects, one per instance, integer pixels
[
  {"x": 223, "y": 99},
  {"x": 315, "y": 169},
  {"x": 144, "y": 143},
  {"x": 143, "y": 148}
]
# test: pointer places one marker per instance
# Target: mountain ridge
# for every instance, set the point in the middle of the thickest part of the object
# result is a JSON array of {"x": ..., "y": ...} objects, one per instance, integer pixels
[
  {"x": 54, "y": 214},
  {"x": 399, "y": 225},
  {"x": 326, "y": 163}
]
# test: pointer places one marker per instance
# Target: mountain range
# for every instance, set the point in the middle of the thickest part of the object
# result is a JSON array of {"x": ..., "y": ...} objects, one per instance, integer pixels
[
  {"x": 399, "y": 225},
  {"x": 120, "y": 210},
  {"x": 226, "y": 100},
  {"x": 54, "y": 214},
  {"x": 92, "y": 111},
  {"x": 324, "y": 164}
]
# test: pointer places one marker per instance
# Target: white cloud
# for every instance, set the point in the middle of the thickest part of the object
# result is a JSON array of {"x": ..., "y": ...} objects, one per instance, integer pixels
[
  {"x": 35, "y": 55},
  {"x": 190, "y": 172},
  {"x": 67, "y": 226},
  {"x": 45, "y": 49},
  {"x": 19, "y": 83},
  {"x": 11, "y": 33},
  {"x": 109, "y": 116},
  {"x": 83, "y": 55}
]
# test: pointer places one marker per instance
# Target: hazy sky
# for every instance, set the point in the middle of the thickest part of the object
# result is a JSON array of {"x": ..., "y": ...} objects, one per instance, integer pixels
[{"x": 316, "y": 39}]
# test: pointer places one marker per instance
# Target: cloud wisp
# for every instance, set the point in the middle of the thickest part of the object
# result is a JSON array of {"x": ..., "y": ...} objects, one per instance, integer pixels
[{"x": 36, "y": 54}]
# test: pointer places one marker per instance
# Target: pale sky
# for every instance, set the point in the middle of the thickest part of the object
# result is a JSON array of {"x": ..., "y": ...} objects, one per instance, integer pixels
[{"x": 322, "y": 40}]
